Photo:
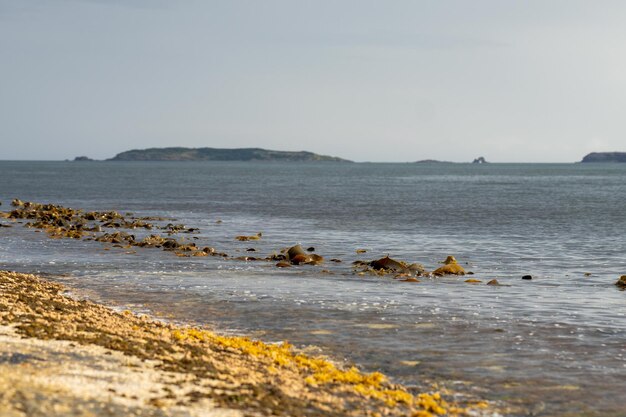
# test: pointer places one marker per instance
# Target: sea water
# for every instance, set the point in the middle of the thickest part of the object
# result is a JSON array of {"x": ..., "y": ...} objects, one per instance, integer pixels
[{"x": 554, "y": 345}]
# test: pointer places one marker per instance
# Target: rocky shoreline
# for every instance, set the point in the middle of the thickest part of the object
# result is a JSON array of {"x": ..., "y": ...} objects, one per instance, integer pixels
[{"x": 63, "y": 356}]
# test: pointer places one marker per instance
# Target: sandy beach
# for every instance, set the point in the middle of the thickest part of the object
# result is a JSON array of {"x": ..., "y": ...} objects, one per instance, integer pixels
[{"x": 61, "y": 356}]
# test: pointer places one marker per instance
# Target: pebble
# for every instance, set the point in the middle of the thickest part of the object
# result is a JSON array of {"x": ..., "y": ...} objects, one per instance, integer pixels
[{"x": 527, "y": 277}]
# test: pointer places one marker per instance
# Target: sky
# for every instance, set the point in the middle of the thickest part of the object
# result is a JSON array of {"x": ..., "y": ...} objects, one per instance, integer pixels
[{"x": 382, "y": 81}]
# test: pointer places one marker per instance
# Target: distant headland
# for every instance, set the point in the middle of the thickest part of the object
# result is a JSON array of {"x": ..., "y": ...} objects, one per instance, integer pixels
[
  {"x": 605, "y": 157},
  {"x": 220, "y": 154}
]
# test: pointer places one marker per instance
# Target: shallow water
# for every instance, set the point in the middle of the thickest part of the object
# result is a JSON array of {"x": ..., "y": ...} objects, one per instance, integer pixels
[{"x": 553, "y": 346}]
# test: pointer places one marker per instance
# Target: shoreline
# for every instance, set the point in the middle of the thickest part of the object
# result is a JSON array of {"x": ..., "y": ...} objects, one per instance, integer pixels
[{"x": 95, "y": 358}]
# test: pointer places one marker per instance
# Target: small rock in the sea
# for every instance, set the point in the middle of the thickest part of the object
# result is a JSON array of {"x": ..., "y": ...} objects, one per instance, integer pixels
[
  {"x": 243, "y": 238},
  {"x": 450, "y": 267},
  {"x": 283, "y": 264},
  {"x": 250, "y": 250},
  {"x": 527, "y": 277},
  {"x": 493, "y": 282},
  {"x": 336, "y": 260},
  {"x": 472, "y": 281},
  {"x": 310, "y": 249},
  {"x": 389, "y": 264},
  {"x": 297, "y": 256},
  {"x": 410, "y": 280},
  {"x": 361, "y": 251},
  {"x": 587, "y": 274},
  {"x": 621, "y": 282}
]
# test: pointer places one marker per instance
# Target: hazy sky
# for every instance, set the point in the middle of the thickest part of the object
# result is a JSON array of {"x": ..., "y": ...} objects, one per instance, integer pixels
[{"x": 365, "y": 80}]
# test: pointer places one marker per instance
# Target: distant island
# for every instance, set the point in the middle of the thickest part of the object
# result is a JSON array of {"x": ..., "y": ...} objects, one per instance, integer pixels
[
  {"x": 479, "y": 160},
  {"x": 605, "y": 157},
  {"x": 220, "y": 154},
  {"x": 82, "y": 159}
]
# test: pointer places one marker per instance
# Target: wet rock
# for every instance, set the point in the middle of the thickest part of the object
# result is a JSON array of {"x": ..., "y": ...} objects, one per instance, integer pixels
[
  {"x": 170, "y": 244},
  {"x": 411, "y": 280},
  {"x": 621, "y": 282},
  {"x": 250, "y": 250},
  {"x": 450, "y": 267},
  {"x": 294, "y": 251},
  {"x": 17, "y": 202},
  {"x": 527, "y": 277},
  {"x": 310, "y": 249},
  {"x": 297, "y": 256},
  {"x": 243, "y": 238},
  {"x": 493, "y": 282},
  {"x": 361, "y": 251},
  {"x": 417, "y": 268},
  {"x": 208, "y": 250},
  {"x": 283, "y": 264},
  {"x": 117, "y": 237},
  {"x": 389, "y": 264},
  {"x": 473, "y": 281},
  {"x": 299, "y": 259},
  {"x": 336, "y": 260}
]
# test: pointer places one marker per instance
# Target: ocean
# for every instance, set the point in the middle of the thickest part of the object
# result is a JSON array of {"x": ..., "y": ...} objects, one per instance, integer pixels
[{"x": 551, "y": 346}]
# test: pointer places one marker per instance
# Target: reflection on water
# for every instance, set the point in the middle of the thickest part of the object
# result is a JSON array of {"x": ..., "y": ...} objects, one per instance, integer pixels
[{"x": 553, "y": 346}]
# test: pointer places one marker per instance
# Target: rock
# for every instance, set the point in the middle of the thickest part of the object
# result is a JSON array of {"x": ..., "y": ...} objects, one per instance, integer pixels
[
  {"x": 242, "y": 238},
  {"x": 82, "y": 159},
  {"x": 473, "y": 281},
  {"x": 417, "y": 268},
  {"x": 493, "y": 282},
  {"x": 621, "y": 282},
  {"x": 294, "y": 251},
  {"x": 388, "y": 264},
  {"x": 283, "y": 264},
  {"x": 527, "y": 277},
  {"x": 479, "y": 160},
  {"x": 361, "y": 251},
  {"x": 450, "y": 267},
  {"x": 310, "y": 249},
  {"x": 298, "y": 259},
  {"x": 297, "y": 256}
]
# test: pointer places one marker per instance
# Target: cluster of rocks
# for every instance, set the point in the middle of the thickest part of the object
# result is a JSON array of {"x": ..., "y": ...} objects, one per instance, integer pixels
[
  {"x": 405, "y": 271},
  {"x": 65, "y": 222}
]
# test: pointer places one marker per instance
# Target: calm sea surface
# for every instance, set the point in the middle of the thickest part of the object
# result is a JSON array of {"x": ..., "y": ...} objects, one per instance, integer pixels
[{"x": 552, "y": 346}]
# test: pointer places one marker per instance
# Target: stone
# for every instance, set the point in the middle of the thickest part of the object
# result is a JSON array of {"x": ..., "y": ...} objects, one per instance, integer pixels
[
  {"x": 493, "y": 282},
  {"x": 621, "y": 282},
  {"x": 527, "y": 277},
  {"x": 389, "y": 264},
  {"x": 450, "y": 267}
]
